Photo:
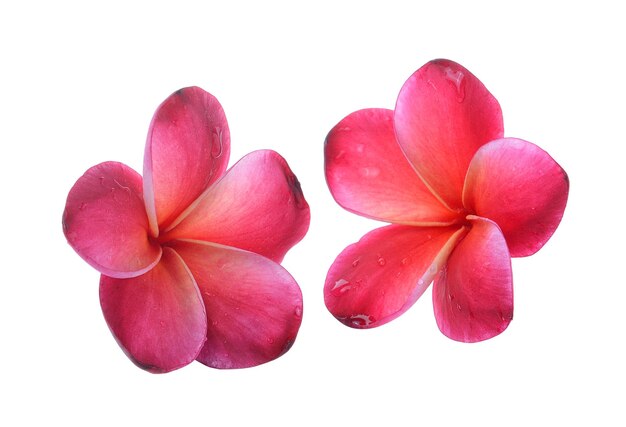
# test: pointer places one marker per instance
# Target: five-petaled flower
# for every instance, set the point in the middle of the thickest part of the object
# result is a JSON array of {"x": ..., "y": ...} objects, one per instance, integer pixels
[
  {"x": 462, "y": 200},
  {"x": 190, "y": 254}
]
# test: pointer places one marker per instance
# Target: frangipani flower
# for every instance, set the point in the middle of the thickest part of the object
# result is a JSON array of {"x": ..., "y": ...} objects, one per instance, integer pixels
[
  {"x": 190, "y": 254},
  {"x": 462, "y": 200}
]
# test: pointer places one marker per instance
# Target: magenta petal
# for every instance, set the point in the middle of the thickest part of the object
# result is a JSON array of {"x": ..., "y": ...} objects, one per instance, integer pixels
[
  {"x": 378, "y": 278},
  {"x": 521, "y": 188},
  {"x": 368, "y": 174},
  {"x": 158, "y": 318},
  {"x": 473, "y": 294},
  {"x": 253, "y": 305},
  {"x": 257, "y": 206},
  {"x": 442, "y": 116},
  {"x": 105, "y": 221},
  {"x": 188, "y": 148}
]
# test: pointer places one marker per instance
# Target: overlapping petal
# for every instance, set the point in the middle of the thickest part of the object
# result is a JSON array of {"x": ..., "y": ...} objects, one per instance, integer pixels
[
  {"x": 368, "y": 174},
  {"x": 157, "y": 318},
  {"x": 473, "y": 294},
  {"x": 258, "y": 206},
  {"x": 442, "y": 116},
  {"x": 253, "y": 305},
  {"x": 105, "y": 221},
  {"x": 378, "y": 278},
  {"x": 521, "y": 188},
  {"x": 187, "y": 149}
]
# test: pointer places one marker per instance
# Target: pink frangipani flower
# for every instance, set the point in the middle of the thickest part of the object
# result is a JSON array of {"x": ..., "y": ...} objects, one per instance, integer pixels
[
  {"x": 461, "y": 199},
  {"x": 190, "y": 254}
]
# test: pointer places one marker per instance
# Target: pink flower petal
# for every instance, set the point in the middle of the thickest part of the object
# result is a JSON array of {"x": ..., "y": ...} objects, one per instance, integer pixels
[
  {"x": 258, "y": 206},
  {"x": 473, "y": 294},
  {"x": 368, "y": 174},
  {"x": 158, "y": 319},
  {"x": 105, "y": 221},
  {"x": 377, "y": 279},
  {"x": 188, "y": 148},
  {"x": 521, "y": 188},
  {"x": 253, "y": 305},
  {"x": 442, "y": 116}
]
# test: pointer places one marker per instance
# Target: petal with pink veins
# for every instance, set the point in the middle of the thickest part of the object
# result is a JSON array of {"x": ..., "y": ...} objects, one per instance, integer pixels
[
  {"x": 378, "y": 278},
  {"x": 473, "y": 293},
  {"x": 521, "y": 188},
  {"x": 187, "y": 149},
  {"x": 368, "y": 174},
  {"x": 442, "y": 116},
  {"x": 158, "y": 319},
  {"x": 105, "y": 221},
  {"x": 258, "y": 206},
  {"x": 253, "y": 305}
]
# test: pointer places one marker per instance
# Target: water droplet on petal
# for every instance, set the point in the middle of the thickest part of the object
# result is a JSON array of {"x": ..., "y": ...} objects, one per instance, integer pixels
[
  {"x": 270, "y": 340},
  {"x": 356, "y": 262},
  {"x": 369, "y": 172},
  {"x": 217, "y": 146},
  {"x": 361, "y": 320},
  {"x": 457, "y": 79},
  {"x": 341, "y": 287},
  {"x": 381, "y": 261},
  {"x": 298, "y": 311}
]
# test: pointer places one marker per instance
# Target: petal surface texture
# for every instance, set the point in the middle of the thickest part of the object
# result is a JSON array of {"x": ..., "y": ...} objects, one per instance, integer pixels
[
  {"x": 521, "y": 188},
  {"x": 473, "y": 294},
  {"x": 158, "y": 318},
  {"x": 378, "y": 278},
  {"x": 443, "y": 115},
  {"x": 257, "y": 206},
  {"x": 187, "y": 149},
  {"x": 368, "y": 174},
  {"x": 105, "y": 221},
  {"x": 253, "y": 305}
]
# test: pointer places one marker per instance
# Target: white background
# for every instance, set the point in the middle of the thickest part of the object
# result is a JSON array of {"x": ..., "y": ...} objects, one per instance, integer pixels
[{"x": 79, "y": 84}]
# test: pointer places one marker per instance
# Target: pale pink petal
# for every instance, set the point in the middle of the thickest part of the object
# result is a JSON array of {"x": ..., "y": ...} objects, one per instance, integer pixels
[
  {"x": 105, "y": 221},
  {"x": 473, "y": 294},
  {"x": 378, "y": 278},
  {"x": 158, "y": 319},
  {"x": 253, "y": 305},
  {"x": 442, "y": 116},
  {"x": 258, "y": 206},
  {"x": 187, "y": 149},
  {"x": 521, "y": 188},
  {"x": 368, "y": 174}
]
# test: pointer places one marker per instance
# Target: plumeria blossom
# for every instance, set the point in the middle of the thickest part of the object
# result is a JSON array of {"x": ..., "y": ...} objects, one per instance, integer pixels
[
  {"x": 189, "y": 255},
  {"x": 461, "y": 199}
]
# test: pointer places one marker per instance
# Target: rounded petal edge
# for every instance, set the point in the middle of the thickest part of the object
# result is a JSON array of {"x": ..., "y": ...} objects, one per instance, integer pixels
[
  {"x": 368, "y": 174},
  {"x": 253, "y": 305},
  {"x": 521, "y": 188},
  {"x": 473, "y": 293},
  {"x": 257, "y": 206},
  {"x": 158, "y": 319},
  {"x": 105, "y": 221}
]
